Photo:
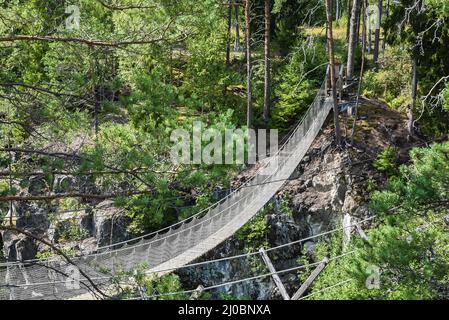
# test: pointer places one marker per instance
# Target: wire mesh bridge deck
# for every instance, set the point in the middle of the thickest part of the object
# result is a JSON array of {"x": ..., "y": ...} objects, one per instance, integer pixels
[{"x": 175, "y": 246}]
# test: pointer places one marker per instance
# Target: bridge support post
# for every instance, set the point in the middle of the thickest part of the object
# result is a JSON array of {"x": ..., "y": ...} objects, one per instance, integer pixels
[
  {"x": 311, "y": 279},
  {"x": 275, "y": 276}
]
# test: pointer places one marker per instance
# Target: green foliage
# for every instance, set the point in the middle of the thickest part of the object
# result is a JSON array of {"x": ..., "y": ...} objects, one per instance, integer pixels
[
  {"x": 206, "y": 78},
  {"x": 71, "y": 231},
  {"x": 48, "y": 254},
  {"x": 166, "y": 284},
  {"x": 371, "y": 185},
  {"x": 426, "y": 178},
  {"x": 285, "y": 206},
  {"x": 114, "y": 107},
  {"x": 147, "y": 286},
  {"x": 424, "y": 37},
  {"x": 297, "y": 83},
  {"x": 151, "y": 103},
  {"x": 409, "y": 242},
  {"x": 229, "y": 297},
  {"x": 387, "y": 161},
  {"x": 392, "y": 81},
  {"x": 176, "y": 74},
  {"x": 255, "y": 232},
  {"x": 4, "y": 188}
]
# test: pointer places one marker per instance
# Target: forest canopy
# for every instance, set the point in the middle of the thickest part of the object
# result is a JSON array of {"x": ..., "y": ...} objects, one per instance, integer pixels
[{"x": 91, "y": 91}]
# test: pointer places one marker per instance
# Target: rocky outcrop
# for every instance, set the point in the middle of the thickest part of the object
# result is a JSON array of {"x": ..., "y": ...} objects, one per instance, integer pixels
[
  {"x": 83, "y": 230},
  {"x": 109, "y": 224},
  {"x": 330, "y": 186},
  {"x": 102, "y": 225},
  {"x": 319, "y": 192},
  {"x": 31, "y": 218},
  {"x": 281, "y": 229},
  {"x": 17, "y": 247}
]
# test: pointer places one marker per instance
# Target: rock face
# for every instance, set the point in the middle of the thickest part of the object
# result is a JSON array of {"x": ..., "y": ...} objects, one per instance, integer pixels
[
  {"x": 18, "y": 247},
  {"x": 83, "y": 230},
  {"x": 109, "y": 224},
  {"x": 225, "y": 271},
  {"x": 282, "y": 229},
  {"x": 329, "y": 184},
  {"x": 31, "y": 218}
]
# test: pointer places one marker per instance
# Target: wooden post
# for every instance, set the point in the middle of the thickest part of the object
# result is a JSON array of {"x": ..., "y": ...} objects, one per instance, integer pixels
[
  {"x": 310, "y": 279},
  {"x": 275, "y": 276},
  {"x": 361, "y": 232}
]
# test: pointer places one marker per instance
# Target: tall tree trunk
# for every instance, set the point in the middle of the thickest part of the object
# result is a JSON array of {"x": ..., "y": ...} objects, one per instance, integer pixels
[
  {"x": 359, "y": 17},
  {"x": 237, "y": 26},
  {"x": 387, "y": 14},
  {"x": 267, "y": 77},
  {"x": 368, "y": 30},
  {"x": 337, "y": 11},
  {"x": 92, "y": 71},
  {"x": 362, "y": 70},
  {"x": 365, "y": 25},
  {"x": 411, "y": 118},
  {"x": 353, "y": 35},
  {"x": 249, "y": 104},
  {"x": 348, "y": 23},
  {"x": 330, "y": 40},
  {"x": 377, "y": 35},
  {"x": 228, "y": 40}
]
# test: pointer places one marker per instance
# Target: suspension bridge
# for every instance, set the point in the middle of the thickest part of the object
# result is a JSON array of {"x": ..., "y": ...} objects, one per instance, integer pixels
[{"x": 172, "y": 247}]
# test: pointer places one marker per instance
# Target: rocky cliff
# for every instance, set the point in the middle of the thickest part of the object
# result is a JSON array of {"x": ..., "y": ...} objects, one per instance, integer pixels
[{"x": 330, "y": 183}]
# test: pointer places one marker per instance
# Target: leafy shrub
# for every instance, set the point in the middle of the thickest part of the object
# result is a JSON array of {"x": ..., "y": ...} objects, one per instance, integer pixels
[
  {"x": 294, "y": 92},
  {"x": 392, "y": 81},
  {"x": 371, "y": 185},
  {"x": 408, "y": 242},
  {"x": 149, "y": 285},
  {"x": 255, "y": 232},
  {"x": 72, "y": 232},
  {"x": 48, "y": 254},
  {"x": 152, "y": 101},
  {"x": 386, "y": 161}
]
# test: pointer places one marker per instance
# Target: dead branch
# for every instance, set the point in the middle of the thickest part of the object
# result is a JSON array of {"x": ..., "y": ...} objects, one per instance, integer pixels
[{"x": 73, "y": 195}]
